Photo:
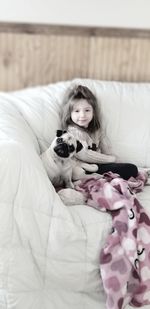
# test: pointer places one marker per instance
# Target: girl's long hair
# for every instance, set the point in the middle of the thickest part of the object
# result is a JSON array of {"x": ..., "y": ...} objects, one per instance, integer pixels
[{"x": 77, "y": 93}]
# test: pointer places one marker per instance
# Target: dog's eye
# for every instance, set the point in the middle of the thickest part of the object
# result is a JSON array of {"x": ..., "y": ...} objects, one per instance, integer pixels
[
  {"x": 71, "y": 148},
  {"x": 59, "y": 140}
]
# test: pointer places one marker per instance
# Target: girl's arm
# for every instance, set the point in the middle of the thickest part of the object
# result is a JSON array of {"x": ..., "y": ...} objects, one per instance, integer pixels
[{"x": 90, "y": 156}]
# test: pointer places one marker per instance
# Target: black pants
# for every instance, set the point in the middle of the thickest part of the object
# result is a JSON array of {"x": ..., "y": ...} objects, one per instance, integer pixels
[{"x": 125, "y": 170}]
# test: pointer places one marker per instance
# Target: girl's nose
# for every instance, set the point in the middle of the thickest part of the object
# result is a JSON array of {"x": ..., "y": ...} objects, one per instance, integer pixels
[{"x": 82, "y": 114}]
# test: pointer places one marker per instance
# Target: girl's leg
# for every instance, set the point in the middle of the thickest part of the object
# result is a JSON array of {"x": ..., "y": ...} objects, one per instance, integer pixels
[{"x": 125, "y": 170}]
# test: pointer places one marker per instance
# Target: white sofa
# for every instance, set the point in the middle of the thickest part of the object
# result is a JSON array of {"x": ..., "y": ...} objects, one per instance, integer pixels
[{"x": 49, "y": 253}]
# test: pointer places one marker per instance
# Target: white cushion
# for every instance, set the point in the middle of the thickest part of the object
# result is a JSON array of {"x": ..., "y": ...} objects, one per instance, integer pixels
[{"x": 39, "y": 107}]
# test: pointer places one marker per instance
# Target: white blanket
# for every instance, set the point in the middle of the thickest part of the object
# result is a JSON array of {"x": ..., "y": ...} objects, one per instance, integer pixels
[{"x": 49, "y": 253}]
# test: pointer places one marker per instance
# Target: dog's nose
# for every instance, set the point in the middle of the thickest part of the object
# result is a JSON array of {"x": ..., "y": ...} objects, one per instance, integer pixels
[
  {"x": 59, "y": 140},
  {"x": 71, "y": 148}
]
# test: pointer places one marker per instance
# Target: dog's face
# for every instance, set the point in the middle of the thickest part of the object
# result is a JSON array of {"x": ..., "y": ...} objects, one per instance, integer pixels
[{"x": 65, "y": 145}]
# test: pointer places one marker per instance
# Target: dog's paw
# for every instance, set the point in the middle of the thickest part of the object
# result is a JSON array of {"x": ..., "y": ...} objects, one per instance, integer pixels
[
  {"x": 94, "y": 167},
  {"x": 72, "y": 197}
]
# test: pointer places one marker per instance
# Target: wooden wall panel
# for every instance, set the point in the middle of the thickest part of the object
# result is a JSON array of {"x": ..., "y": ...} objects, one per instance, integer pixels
[
  {"x": 37, "y": 55},
  {"x": 125, "y": 59}
]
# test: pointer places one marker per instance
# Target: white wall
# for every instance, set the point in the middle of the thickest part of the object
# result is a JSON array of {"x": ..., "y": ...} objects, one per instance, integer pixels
[{"x": 117, "y": 13}]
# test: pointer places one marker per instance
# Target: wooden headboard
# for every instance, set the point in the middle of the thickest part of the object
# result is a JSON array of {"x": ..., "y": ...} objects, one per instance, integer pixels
[{"x": 32, "y": 54}]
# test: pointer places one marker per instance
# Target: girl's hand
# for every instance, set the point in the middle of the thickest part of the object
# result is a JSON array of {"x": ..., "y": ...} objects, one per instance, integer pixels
[{"x": 112, "y": 158}]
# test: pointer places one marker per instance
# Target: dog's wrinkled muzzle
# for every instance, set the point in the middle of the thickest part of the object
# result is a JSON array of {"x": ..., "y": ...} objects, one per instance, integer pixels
[{"x": 62, "y": 150}]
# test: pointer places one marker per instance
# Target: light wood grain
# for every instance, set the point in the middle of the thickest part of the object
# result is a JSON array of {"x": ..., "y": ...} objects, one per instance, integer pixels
[{"x": 40, "y": 54}]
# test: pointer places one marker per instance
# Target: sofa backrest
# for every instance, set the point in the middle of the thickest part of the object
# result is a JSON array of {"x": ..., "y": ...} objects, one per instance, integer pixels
[{"x": 125, "y": 110}]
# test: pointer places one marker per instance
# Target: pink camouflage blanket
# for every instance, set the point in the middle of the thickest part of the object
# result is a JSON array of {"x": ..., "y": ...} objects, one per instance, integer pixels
[{"x": 125, "y": 258}]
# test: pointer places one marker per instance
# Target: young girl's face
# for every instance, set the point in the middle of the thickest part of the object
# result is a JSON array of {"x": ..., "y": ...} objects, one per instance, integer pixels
[{"x": 82, "y": 113}]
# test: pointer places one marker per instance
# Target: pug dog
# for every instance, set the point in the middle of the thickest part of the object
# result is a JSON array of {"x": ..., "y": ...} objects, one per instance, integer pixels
[
  {"x": 60, "y": 163},
  {"x": 57, "y": 158}
]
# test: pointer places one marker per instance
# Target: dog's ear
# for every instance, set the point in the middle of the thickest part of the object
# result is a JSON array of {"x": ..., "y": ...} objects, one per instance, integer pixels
[
  {"x": 59, "y": 133},
  {"x": 79, "y": 146}
]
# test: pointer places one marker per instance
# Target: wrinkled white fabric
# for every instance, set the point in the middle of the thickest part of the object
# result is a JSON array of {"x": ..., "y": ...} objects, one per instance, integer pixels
[{"x": 49, "y": 253}]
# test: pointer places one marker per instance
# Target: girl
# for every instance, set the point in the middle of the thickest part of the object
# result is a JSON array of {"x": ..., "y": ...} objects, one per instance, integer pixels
[{"x": 80, "y": 116}]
